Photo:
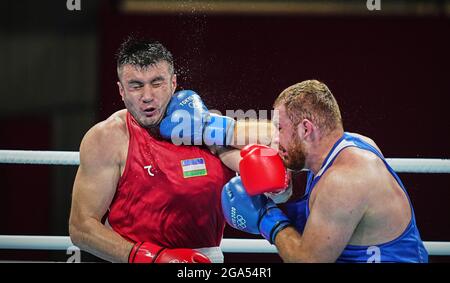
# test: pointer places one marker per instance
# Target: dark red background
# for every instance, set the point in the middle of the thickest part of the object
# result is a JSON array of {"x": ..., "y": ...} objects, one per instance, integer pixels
[{"x": 390, "y": 76}]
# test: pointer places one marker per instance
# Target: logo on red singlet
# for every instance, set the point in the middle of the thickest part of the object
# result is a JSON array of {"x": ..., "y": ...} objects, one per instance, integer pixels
[{"x": 149, "y": 170}]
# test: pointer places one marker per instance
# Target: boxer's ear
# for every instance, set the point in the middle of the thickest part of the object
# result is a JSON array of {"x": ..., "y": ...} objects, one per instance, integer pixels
[
  {"x": 121, "y": 89},
  {"x": 306, "y": 129},
  {"x": 174, "y": 83}
]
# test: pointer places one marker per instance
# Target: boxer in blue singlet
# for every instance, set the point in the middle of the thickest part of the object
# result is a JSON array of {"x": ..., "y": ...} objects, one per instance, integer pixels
[{"x": 355, "y": 208}]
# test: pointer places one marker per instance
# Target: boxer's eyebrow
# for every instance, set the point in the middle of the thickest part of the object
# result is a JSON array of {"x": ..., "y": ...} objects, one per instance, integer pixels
[
  {"x": 156, "y": 79},
  {"x": 130, "y": 82}
]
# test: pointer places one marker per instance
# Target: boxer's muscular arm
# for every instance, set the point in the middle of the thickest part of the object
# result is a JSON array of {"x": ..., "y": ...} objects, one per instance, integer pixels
[
  {"x": 245, "y": 132},
  {"x": 252, "y": 131},
  {"x": 94, "y": 189},
  {"x": 339, "y": 205},
  {"x": 228, "y": 155}
]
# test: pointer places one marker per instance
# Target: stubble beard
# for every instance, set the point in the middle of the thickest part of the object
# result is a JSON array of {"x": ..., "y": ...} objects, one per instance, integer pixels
[{"x": 295, "y": 155}]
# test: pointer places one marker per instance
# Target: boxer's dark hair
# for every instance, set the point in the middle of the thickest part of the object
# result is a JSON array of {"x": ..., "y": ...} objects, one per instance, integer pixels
[
  {"x": 311, "y": 100},
  {"x": 142, "y": 53}
]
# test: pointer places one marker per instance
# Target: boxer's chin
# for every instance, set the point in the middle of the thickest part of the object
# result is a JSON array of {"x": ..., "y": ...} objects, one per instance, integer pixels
[
  {"x": 147, "y": 122},
  {"x": 150, "y": 120}
]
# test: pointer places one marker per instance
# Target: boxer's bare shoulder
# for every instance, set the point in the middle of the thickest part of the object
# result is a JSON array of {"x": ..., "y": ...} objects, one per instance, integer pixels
[
  {"x": 358, "y": 164},
  {"x": 107, "y": 141},
  {"x": 355, "y": 172},
  {"x": 367, "y": 140}
]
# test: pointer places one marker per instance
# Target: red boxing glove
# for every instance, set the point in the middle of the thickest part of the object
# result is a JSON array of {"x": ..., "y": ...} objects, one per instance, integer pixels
[
  {"x": 146, "y": 252},
  {"x": 262, "y": 170}
]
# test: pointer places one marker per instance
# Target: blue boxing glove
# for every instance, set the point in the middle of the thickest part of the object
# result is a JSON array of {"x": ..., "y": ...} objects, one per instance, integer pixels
[
  {"x": 188, "y": 121},
  {"x": 251, "y": 214}
]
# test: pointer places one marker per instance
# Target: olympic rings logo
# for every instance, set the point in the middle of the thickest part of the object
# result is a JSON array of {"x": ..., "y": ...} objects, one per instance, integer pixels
[{"x": 240, "y": 222}]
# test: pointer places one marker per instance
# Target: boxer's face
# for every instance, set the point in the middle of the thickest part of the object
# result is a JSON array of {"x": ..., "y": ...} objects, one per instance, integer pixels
[
  {"x": 290, "y": 147},
  {"x": 147, "y": 91}
]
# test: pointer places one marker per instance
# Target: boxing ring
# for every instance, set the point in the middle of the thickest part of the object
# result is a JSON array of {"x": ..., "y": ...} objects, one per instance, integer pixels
[{"x": 20, "y": 242}]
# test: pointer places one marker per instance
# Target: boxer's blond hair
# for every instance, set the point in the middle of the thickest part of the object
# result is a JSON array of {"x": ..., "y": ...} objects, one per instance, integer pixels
[{"x": 314, "y": 101}]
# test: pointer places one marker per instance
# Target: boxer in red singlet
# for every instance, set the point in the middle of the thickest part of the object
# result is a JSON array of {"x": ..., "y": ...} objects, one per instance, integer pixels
[{"x": 161, "y": 202}]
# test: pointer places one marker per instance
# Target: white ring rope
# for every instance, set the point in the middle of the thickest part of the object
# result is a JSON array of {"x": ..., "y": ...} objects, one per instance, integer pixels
[
  {"x": 410, "y": 165},
  {"x": 419, "y": 165},
  {"x": 227, "y": 245},
  {"x": 40, "y": 157}
]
